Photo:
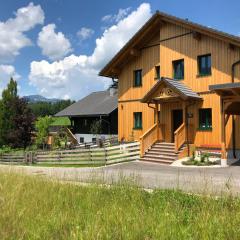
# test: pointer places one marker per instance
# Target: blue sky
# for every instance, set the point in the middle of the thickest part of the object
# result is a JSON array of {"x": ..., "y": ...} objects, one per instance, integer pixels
[{"x": 56, "y": 47}]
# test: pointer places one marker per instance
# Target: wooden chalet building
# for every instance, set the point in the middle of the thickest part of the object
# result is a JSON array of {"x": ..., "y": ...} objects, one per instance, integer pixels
[
  {"x": 99, "y": 106},
  {"x": 178, "y": 84}
]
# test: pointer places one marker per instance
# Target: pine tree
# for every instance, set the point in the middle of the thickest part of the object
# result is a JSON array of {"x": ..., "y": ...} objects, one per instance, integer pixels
[{"x": 16, "y": 119}]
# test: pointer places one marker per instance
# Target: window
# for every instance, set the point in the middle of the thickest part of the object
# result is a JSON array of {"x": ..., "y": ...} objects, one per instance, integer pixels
[
  {"x": 205, "y": 119},
  {"x": 157, "y": 72},
  {"x": 155, "y": 117},
  {"x": 94, "y": 140},
  {"x": 178, "y": 69},
  {"x": 137, "y": 120},
  {"x": 137, "y": 78},
  {"x": 204, "y": 65},
  {"x": 81, "y": 140}
]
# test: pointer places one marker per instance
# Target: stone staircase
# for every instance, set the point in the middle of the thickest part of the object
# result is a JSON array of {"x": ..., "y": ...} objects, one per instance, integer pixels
[{"x": 161, "y": 152}]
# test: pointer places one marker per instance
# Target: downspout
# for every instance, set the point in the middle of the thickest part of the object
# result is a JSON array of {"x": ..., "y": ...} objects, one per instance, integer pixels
[{"x": 233, "y": 120}]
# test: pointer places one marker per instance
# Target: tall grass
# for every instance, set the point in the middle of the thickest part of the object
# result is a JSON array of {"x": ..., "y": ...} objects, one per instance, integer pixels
[{"x": 33, "y": 208}]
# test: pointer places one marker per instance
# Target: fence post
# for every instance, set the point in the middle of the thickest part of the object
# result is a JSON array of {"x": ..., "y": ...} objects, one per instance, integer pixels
[
  {"x": 25, "y": 157},
  {"x": 105, "y": 151}
]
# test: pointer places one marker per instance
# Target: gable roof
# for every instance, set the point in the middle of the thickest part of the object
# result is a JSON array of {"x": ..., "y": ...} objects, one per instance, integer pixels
[
  {"x": 95, "y": 104},
  {"x": 151, "y": 27},
  {"x": 181, "y": 89}
]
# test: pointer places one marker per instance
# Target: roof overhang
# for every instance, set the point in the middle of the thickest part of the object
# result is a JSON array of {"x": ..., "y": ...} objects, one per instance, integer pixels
[
  {"x": 169, "y": 90},
  {"x": 133, "y": 47}
]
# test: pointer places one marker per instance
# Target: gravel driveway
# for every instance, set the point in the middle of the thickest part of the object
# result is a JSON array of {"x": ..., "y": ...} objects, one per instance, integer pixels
[{"x": 147, "y": 175}]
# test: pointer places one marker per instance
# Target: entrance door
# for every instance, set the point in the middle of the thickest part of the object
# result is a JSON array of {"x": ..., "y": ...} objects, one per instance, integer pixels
[{"x": 177, "y": 120}]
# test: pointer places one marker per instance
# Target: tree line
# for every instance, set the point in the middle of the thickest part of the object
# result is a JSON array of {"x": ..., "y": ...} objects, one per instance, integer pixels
[
  {"x": 42, "y": 109},
  {"x": 18, "y": 117}
]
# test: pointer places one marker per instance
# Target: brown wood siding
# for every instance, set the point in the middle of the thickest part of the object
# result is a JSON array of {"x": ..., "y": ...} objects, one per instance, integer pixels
[{"x": 187, "y": 48}]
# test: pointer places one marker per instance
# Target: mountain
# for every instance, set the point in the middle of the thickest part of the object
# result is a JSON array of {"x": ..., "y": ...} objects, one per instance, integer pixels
[{"x": 39, "y": 98}]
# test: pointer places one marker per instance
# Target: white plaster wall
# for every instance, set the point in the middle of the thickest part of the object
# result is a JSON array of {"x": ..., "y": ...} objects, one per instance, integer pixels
[{"x": 88, "y": 137}]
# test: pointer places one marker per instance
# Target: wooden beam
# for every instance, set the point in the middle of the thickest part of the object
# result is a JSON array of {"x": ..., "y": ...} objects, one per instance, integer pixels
[
  {"x": 115, "y": 71},
  {"x": 223, "y": 132},
  {"x": 232, "y": 46},
  {"x": 235, "y": 92},
  {"x": 157, "y": 119},
  {"x": 197, "y": 35},
  {"x": 134, "y": 52},
  {"x": 226, "y": 119},
  {"x": 184, "y": 107}
]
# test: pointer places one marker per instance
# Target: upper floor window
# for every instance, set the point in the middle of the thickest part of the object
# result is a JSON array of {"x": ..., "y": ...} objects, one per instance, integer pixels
[
  {"x": 204, "y": 65},
  {"x": 137, "y": 78},
  {"x": 178, "y": 69},
  {"x": 205, "y": 119},
  {"x": 81, "y": 140},
  {"x": 137, "y": 120},
  {"x": 157, "y": 72}
]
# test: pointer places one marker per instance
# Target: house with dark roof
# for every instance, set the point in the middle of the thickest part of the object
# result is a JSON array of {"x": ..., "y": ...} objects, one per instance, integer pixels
[
  {"x": 178, "y": 89},
  {"x": 101, "y": 107}
]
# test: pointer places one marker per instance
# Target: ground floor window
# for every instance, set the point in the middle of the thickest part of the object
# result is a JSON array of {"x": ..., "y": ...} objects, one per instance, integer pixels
[
  {"x": 137, "y": 120},
  {"x": 205, "y": 119},
  {"x": 94, "y": 140},
  {"x": 81, "y": 140}
]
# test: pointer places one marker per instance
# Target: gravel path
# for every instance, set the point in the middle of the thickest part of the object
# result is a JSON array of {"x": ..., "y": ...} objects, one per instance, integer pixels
[{"x": 147, "y": 175}]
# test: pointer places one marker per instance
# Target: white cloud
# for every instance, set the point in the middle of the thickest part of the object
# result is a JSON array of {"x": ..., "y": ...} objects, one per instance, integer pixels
[
  {"x": 12, "y": 37},
  {"x": 85, "y": 33},
  {"x": 54, "y": 45},
  {"x": 76, "y": 76},
  {"x": 116, "y": 17},
  {"x": 6, "y": 72}
]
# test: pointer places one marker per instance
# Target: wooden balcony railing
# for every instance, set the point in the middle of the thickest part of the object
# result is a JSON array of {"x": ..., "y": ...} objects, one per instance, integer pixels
[{"x": 179, "y": 137}]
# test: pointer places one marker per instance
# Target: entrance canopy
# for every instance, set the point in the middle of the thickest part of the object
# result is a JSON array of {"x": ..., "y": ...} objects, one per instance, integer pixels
[
  {"x": 230, "y": 93},
  {"x": 169, "y": 90}
]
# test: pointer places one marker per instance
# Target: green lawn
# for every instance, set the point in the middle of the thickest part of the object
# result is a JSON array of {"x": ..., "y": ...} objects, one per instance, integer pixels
[
  {"x": 33, "y": 208},
  {"x": 61, "y": 121}
]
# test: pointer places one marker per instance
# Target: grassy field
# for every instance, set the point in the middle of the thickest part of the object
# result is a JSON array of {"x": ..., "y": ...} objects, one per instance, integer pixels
[
  {"x": 33, "y": 208},
  {"x": 61, "y": 121}
]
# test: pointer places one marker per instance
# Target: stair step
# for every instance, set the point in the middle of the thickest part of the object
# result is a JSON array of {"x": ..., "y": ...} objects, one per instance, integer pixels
[
  {"x": 160, "y": 153},
  {"x": 157, "y": 160},
  {"x": 164, "y": 144},
  {"x": 163, "y": 151},
  {"x": 160, "y": 156},
  {"x": 162, "y": 148}
]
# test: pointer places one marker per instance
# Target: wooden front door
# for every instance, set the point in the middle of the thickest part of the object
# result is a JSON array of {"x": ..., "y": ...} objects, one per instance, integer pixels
[{"x": 177, "y": 120}]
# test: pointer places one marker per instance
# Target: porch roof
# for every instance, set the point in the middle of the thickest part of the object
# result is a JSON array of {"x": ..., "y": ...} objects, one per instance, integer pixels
[
  {"x": 230, "y": 93},
  {"x": 179, "y": 91},
  {"x": 226, "y": 90}
]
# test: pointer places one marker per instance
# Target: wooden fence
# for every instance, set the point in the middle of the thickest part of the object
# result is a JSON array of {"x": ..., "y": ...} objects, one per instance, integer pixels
[{"x": 94, "y": 156}]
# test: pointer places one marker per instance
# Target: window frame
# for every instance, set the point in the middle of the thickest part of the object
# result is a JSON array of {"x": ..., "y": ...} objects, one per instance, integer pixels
[
  {"x": 134, "y": 78},
  {"x": 157, "y": 73},
  {"x": 208, "y": 126},
  {"x": 174, "y": 67},
  {"x": 134, "y": 120},
  {"x": 199, "y": 63}
]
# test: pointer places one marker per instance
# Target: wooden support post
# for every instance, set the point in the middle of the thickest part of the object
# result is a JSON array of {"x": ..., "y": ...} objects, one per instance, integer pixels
[
  {"x": 185, "y": 119},
  {"x": 157, "y": 119},
  {"x": 223, "y": 133}
]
